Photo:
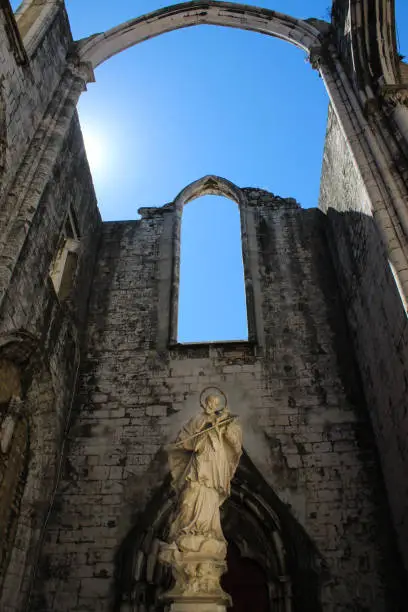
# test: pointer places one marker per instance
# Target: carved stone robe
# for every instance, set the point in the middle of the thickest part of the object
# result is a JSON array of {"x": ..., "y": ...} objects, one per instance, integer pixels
[{"x": 202, "y": 468}]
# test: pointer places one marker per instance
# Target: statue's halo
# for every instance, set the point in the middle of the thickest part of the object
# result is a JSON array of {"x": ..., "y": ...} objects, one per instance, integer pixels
[{"x": 213, "y": 391}]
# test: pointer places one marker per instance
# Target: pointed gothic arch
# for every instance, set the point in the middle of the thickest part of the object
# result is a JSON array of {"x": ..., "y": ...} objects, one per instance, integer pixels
[
  {"x": 98, "y": 48},
  {"x": 374, "y": 79},
  {"x": 216, "y": 185},
  {"x": 373, "y": 146},
  {"x": 254, "y": 520},
  {"x": 212, "y": 304}
]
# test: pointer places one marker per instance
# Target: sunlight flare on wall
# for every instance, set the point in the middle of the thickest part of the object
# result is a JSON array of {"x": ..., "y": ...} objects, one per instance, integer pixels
[{"x": 97, "y": 148}]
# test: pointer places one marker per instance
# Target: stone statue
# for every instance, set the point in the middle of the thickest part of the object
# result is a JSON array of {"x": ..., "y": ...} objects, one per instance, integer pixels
[{"x": 202, "y": 461}]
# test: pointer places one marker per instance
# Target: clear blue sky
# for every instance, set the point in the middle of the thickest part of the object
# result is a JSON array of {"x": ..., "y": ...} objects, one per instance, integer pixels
[{"x": 204, "y": 100}]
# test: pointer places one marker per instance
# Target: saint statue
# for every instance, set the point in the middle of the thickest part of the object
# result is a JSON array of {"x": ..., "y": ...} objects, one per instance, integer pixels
[{"x": 202, "y": 461}]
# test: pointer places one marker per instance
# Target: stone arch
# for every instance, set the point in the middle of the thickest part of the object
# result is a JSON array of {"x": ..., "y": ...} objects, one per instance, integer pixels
[
  {"x": 38, "y": 467},
  {"x": 216, "y": 185},
  {"x": 253, "y": 527},
  {"x": 98, "y": 48},
  {"x": 300, "y": 571},
  {"x": 254, "y": 520},
  {"x": 210, "y": 185},
  {"x": 374, "y": 152},
  {"x": 374, "y": 148},
  {"x": 371, "y": 151}
]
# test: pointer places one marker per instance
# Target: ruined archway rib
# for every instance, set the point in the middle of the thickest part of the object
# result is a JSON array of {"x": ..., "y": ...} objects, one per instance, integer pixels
[
  {"x": 209, "y": 185},
  {"x": 98, "y": 48}
]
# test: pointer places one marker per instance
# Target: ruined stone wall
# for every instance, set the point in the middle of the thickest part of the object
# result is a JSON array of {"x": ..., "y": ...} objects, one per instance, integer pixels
[
  {"x": 32, "y": 314},
  {"x": 27, "y": 86},
  {"x": 340, "y": 19},
  {"x": 297, "y": 389},
  {"x": 375, "y": 312},
  {"x": 27, "y": 302},
  {"x": 298, "y": 397}
]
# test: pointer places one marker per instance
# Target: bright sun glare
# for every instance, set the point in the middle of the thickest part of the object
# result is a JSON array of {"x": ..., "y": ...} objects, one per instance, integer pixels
[{"x": 96, "y": 149}]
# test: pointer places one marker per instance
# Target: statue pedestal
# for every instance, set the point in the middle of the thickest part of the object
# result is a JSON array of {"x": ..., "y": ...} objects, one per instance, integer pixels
[
  {"x": 197, "y": 564},
  {"x": 197, "y": 607}
]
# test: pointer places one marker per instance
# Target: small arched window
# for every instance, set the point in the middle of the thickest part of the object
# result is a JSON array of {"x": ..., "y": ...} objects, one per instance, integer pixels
[{"x": 212, "y": 301}]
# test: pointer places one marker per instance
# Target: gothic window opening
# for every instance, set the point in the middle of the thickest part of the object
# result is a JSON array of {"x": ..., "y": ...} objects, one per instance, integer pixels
[
  {"x": 63, "y": 268},
  {"x": 212, "y": 300}
]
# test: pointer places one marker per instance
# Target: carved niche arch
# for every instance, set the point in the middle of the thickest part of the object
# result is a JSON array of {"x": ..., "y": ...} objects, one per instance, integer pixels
[
  {"x": 216, "y": 185},
  {"x": 27, "y": 461},
  {"x": 254, "y": 520}
]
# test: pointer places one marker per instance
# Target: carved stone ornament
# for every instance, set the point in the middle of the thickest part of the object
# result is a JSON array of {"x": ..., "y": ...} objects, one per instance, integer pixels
[
  {"x": 202, "y": 461},
  {"x": 315, "y": 57},
  {"x": 395, "y": 94}
]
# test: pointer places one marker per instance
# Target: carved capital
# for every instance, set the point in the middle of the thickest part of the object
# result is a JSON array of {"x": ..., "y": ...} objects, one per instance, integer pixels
[
  {"x": 395, "y": 94},
  {"x": 197, "y": 574},
  {"x": 315, "y": 57},
  {"x": 81, "y": 70}
]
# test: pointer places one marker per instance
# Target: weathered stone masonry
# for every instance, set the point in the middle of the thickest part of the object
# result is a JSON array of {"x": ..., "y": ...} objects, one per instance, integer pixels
[
  {"x": 43, "y": 336},
  {"x": 375, "y": 312},
  {"x": 299, "y": 399},
  {"x": 44, "y": 175}
]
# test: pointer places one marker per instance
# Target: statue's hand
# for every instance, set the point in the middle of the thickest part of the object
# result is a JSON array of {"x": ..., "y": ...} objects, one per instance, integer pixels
[{"x": 200, "y": 445}]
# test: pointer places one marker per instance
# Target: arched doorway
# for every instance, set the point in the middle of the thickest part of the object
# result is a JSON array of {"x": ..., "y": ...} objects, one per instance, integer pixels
[
  {"x": 271, "y": 559},
  {"x": 246, "y": 583}
]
